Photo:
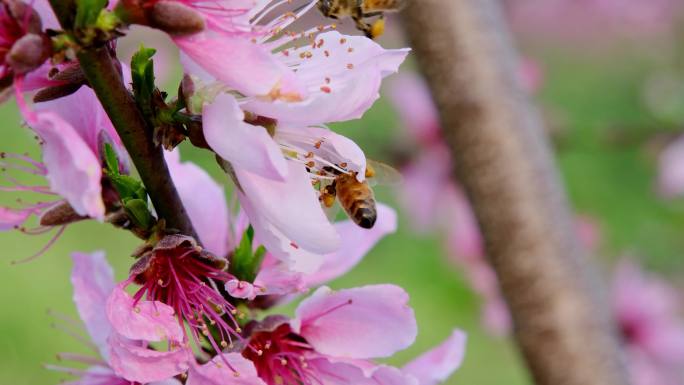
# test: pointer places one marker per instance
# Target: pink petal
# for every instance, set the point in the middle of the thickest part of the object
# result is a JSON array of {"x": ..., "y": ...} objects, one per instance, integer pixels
[
  {"x": 216, "y": 372},
  {"x": 438, "y": 364},
  {"x": 11, "y": 218},
  {"x": 331, "y": 372},
  {"x": 291, "y": 208},
  {"x": 205, "y": 202},
  {"x": 343, "y": 76},
  {"x": 47, "y": 16},
  {"x": 145, "y": 320},
  {"x": 365, "y": 322},
  {"x": 237, "y": 62},
  {"x": 99, "y": 375},
  {"x": 245, "y": 146},
  {"x": 295, "y": 257},
  {"x": 74, "y": 171},
  {"x": 84, "y": 113},
  {"x": 140, "y": 364},
  {"x": 671, "y": 169},
  {"x": 93, "y": 281},
  {"x": 359, "y": 242},
  {"x": 388, "y": 375},
  {"x": 276, "y": 279},
  {"x": 325, "y": 144},
  {"x": 241, "y": 289}
]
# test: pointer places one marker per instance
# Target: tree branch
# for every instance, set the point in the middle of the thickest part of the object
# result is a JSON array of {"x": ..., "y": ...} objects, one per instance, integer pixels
[
  {"x": 503, "y": 159},
  {"x": 105, "y": 79}
]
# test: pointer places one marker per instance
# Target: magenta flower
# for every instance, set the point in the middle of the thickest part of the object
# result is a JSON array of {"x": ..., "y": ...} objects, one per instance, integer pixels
[
  {"x": 332, "y": 339},
  {"x": 93, "y": 281},
  {"x": 181, "y": 276},
  {"x": 648, "y": 312}
]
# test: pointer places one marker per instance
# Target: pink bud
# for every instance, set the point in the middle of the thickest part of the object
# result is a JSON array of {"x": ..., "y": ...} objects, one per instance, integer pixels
[
  {"x": 176, "y": 18},
  {"x": 28, "y": 53}
]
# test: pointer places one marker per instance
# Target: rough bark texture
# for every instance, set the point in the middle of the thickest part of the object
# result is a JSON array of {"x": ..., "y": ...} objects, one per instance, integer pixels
[{"x": 504, "y": 162}]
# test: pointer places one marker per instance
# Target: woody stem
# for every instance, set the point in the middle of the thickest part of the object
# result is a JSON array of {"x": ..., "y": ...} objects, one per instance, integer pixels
[{"x": 105, "y": 79}]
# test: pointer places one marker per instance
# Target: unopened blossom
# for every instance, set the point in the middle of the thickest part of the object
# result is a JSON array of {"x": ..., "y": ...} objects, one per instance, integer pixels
[
  {"x": 93, "y": 281},
  {"x": 23, "y": 46},
  {"x": 650, "y": 318},
  {"x": 332, "y": 340}
]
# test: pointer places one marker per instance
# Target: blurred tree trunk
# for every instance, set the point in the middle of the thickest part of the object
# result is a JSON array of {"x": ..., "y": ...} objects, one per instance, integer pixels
[{"x": 503, "y": 159}]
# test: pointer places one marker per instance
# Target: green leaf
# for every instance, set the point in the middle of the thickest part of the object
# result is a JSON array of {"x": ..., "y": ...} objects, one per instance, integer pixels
[
  {"x": 245, "y": 262},
  {"x": 87, "y": 12},
  {"x": 142, "y": 73},
  {"x": 111, "y": 159},
  {"x": 128, "y": 187},
  {"x": 139, "y": 212}
]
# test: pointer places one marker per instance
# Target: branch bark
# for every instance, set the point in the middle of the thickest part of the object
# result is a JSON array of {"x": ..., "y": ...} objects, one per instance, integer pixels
[
  {"x": 503, "y": 159},
  {"x": 105, "y": 79}
]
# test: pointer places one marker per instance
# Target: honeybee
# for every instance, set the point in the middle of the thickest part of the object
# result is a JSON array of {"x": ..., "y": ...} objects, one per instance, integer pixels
[
  {"x": 357, "y": 198},
  {"x": 359, "y": 10}
]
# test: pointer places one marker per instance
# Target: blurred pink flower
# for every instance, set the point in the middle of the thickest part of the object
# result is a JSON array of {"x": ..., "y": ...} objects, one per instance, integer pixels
[
  {"x": 434, "y": 202},
  {"x": 671, "y": 169},
  {"x": 649, "y": 314},
  {"x": 593, "y": 19}
]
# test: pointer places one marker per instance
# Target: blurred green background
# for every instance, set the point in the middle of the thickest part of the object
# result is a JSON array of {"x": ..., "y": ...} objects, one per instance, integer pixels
[{"x": 607, "y": 143}]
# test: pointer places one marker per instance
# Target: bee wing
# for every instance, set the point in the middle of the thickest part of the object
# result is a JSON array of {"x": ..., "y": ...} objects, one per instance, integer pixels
[{"x": 379, "y": 173}]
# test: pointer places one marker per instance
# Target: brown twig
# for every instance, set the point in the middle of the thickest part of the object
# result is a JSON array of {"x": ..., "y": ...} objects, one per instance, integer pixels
[
  {"x": 504, "y": 161},
  {"x": 105, "y": 79}
]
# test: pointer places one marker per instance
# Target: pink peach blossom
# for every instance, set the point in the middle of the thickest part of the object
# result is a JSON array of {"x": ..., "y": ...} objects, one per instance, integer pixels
[
  {"x": 93, "y": 281},
  {"x": 648, "y": 313}
]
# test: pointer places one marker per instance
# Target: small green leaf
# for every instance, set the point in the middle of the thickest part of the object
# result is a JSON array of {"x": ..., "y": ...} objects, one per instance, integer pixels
[
  {"x": 87, "y": 12},
  {"x": 111, "y": 159},
  {"x": 246, "y": 262},
  {"x": 128, "y": 187},
  {"x": 142, "y": 73},
  {"x": 139, "y": 212}
]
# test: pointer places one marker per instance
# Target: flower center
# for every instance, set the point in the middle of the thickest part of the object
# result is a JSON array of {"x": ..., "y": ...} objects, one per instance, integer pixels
[
  {"x": 181, "y": 280},
  {"x": 280, "y": 357}
]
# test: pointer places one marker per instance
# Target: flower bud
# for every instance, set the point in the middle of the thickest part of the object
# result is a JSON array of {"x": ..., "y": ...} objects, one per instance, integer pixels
[
  {"x": 176, "y": 18},
  {"x": 28, "y": 53},
  {"x": 24, "y": 14},
  {"x": 59, "y": 215}
]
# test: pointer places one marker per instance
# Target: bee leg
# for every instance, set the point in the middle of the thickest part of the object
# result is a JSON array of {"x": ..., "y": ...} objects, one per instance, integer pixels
[{"x": 362, "y": 26}]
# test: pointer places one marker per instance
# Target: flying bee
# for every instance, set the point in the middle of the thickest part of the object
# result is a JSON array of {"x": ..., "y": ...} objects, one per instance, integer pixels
[
  {"x": 359, "y": 10},
  {"x": 357, "y": 198}
]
